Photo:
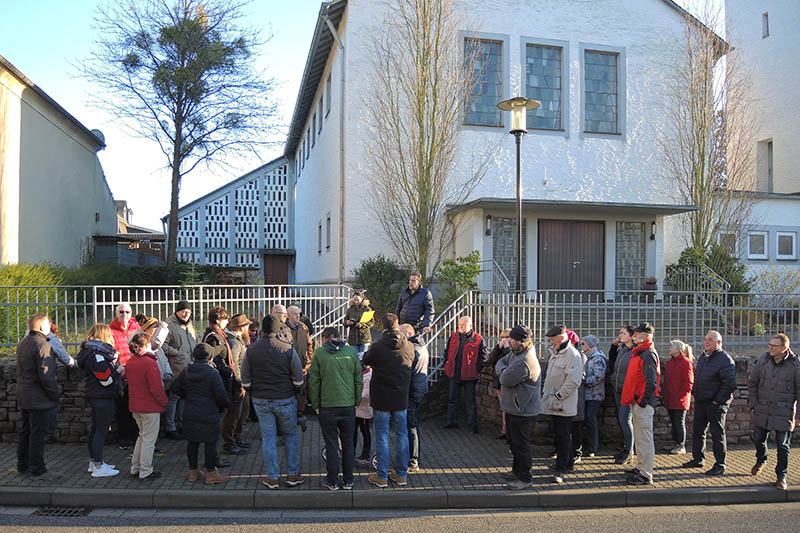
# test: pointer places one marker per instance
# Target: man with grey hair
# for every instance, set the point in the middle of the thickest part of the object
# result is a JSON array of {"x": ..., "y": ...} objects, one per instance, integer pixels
[
  {"x": 122, "y": 329},
  {"x": 465, "y": 357},
  {"x": 301, "y": 339},
  {"x": 714, "y": 384},
  {"x": 279, "y": 312}
]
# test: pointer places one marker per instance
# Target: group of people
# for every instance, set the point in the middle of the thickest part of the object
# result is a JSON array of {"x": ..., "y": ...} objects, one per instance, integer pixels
[{"x": 141, "y": 371}]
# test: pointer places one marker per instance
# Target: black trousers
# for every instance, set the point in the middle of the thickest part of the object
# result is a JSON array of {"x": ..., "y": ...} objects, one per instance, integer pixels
[
  {"x": 563, "y": 430},
  {"x": 709, "y": 417},
  {"x": 363, "y": 425},
  {"x": 30, "y": 447},
  {"x": 518, "y": 428},
  {"x": 338, "y": 425},
  {"x": 193, "y": 449},
  {"x": 127, "y": 430}
]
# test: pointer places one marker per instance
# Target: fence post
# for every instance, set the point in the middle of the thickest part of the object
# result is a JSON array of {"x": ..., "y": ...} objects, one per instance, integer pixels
[
  {"x": 201, "y": 303},
  {"x": 94, "y": 305}
]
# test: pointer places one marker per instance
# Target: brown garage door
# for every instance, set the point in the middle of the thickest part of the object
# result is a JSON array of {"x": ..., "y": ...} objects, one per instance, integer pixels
[
  {"x": 571, "y": 254},
  {"x": 276, "y": 269}
]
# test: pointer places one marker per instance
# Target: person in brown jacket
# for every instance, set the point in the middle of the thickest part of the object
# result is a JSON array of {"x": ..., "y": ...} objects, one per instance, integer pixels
[
  {"x": 301, "y": 339},
  {"x": 358, "y": 333}
]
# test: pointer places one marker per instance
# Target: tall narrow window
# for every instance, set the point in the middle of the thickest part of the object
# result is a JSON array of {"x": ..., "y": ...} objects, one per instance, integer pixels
[
  {"x": 764, "y": 25},
  {"x": 770, "y": 183},
  {"x": 319, "y": 238},
  {"x": 485, "y": 59},
  {"x": 543, "y": 83},
  {"x": 328, "y": 232},
  {"x": 310, "y": 141},
  {"x": 328, "y": 95},
  {"x": 313, "y": 129},
  {"x": 600, "y": 93},
  {"x": 319, "y": 112}
]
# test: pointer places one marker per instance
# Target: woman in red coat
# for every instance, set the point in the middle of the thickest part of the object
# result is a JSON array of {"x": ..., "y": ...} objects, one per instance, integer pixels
[
  {"x": 147, "y": 401},
  {"x": 676, "y": 393}
]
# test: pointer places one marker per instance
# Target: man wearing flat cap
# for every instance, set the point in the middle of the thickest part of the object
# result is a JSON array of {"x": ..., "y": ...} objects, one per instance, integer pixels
[
  {"x": 520, "y": 399},
  {"x": 640, "y": 392},
  {"x": 560, "y": 395},
  {"x": 272, "y": 374},
  {"x": 178, "y": 346},
  {"x": 237, "y": 333}
]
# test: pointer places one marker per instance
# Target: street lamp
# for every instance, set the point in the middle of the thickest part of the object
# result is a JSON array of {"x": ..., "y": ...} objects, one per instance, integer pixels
[{"x": 519, "y": 107}]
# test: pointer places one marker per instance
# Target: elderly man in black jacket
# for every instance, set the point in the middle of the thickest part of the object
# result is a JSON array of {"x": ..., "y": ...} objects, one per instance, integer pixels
[
  {"x": 391, "y": 359},
  {"x": 714, "y": 384},
  {"x": 37, "y": 393},
  {"x": 774, "y": 386},
  {"x": 415, "y": 305}
]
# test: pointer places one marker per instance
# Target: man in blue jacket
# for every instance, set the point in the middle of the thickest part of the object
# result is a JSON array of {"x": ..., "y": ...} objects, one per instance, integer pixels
[
  {"x": 714, "y": 384},
  {"x": 415, "y": 305}
]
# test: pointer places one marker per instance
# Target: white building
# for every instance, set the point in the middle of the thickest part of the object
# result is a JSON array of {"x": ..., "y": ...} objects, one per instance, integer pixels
[
  {"x": 765, "y": 35},
  {"x": 53, "y": 194},
  {"x": 245, "y": 223},
  {"x": 595, "y": 201}
]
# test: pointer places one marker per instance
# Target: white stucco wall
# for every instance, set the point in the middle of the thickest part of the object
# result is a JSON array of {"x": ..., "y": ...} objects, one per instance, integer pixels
[
  {"x": 775, "y": 72},
  {"x": 10, "y": 120}
]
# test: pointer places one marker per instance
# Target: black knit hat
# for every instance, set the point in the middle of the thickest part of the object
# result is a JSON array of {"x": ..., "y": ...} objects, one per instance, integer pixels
[
  {"x": 270, "y": 324},
  {"x": 555, "y": 331},
  {"x": 520, "y": 333},
  {"x": 202, "y": 352},
  {"x": 644, "y": 327},
  {"x": 183, "y": 304}
]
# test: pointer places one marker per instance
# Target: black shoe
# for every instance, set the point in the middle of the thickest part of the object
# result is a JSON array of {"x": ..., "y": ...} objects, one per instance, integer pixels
[
  {"x": 124, "y": 445},
  {"x": 715, "y": 470},
  {"x": 640, "y": 480},
  {"x": 450, "y": 426},
  {"x": 234, "y": 450},
  {"x": 633, "y": 472},
  {"x": 243, "y": 444},
  {"x": 50, "y": 440},
  {"x": 222, "y": 463},
  {"x": 475, "y": 430},
  {"x": 153, "y": 475},
  {"x": 693, "y": 464},
  {"x": 622, "y": 458},
  {"x": 173, "y": 435},
  {"x": 501, "y": 436}
]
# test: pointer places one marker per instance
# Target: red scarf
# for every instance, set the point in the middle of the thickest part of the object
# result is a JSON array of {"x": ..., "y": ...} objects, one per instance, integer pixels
[
  {"x": 646, "y": 345},
  {"x": 218, "y": 331}
]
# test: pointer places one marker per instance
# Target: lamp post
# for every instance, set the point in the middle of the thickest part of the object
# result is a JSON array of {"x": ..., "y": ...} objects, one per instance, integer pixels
[{"x": 519, "y": 107}]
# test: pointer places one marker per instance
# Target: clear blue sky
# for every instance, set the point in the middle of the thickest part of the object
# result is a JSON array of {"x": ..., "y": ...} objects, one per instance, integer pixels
[{"x": 43, "y": 38}]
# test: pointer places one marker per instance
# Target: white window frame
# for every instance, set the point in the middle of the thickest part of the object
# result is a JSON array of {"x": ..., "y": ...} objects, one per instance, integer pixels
[
  {"x": 505, "y": 44},
  {"x": 765, "y": 255},
  {"x": 622, "y": 75},
  {"x": 784, "y": 257},
  {"x": 565, "y": 77}
]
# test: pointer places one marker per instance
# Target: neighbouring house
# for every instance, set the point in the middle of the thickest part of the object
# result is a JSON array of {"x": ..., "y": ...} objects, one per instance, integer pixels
[
  {"x": 131, "y": 244},
  {"x": 766, "y": 37},
  {"x": 595, "y": 202},
  {"x": 53, "y": 194},
  {"x": 245, "y": 224}
]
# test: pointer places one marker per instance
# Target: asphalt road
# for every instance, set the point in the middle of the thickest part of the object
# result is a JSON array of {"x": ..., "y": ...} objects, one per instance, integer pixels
[{"x": 739, "y": 518}]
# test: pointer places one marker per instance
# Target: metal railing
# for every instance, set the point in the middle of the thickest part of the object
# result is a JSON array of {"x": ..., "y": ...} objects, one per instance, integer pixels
[
  {"x": 500, "y": 281},
  {"x": 75, "y": 309},
  {"x": 709, "y": 286}
]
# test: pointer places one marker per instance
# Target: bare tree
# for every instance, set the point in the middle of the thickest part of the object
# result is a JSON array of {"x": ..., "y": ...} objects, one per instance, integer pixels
[
  {"x": 182, "y": 73},
  {"x": 710, "y": 145},
  {"x": 421, "y": 81}
]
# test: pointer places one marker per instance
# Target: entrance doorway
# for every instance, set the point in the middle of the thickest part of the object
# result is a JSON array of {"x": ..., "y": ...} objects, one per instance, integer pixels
[{"x": 571, "y": 254}]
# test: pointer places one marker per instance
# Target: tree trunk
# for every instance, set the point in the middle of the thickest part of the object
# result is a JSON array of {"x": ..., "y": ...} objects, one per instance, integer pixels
[{"x": 172, "y": 241}]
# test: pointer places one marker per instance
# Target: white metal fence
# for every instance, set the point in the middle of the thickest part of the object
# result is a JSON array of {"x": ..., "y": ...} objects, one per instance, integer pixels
[{"x": 75, "y": 309}]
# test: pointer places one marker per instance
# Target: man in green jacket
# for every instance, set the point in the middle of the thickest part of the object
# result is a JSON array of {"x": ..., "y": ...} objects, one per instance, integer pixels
[{"x": 335, "y": 386}]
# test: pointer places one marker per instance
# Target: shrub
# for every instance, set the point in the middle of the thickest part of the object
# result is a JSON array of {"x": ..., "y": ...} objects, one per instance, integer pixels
[
  {"x": 458, "y": 276},
  {"x": 381, "y": 277},
  {"x": 720, "y": 260}
]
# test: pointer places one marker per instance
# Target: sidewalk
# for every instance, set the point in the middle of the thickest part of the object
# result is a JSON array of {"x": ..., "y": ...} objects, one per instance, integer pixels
[{"x": 458, "y": 470}]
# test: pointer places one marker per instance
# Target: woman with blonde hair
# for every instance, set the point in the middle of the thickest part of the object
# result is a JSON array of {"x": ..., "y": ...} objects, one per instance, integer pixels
[
  {"x": 676, "y": 391},
  {"x": 99, "y": 361}
]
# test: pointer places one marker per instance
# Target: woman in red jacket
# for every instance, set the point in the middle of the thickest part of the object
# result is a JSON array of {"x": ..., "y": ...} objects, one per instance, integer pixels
[
  {"x": 676, "y": 392},
  {"x": 147, "y": 401}
]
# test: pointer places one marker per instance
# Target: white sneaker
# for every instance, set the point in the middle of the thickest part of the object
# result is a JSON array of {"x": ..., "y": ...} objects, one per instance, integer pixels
[
  {"x": 678, "y": 450},
  {"x": 104, "y": 471},
  {"x": 92, "y": 467}
]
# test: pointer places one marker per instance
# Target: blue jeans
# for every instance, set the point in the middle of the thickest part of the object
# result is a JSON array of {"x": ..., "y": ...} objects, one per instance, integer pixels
[
  {"x": 282, "y": 414},
  {"x": 102, "y": 414},
  {"x": 413, "y": 432},
  {"x": 454, "y": 400},
  {"x": 173, "y": 416},
  {"x": 783, "y": 440},
  {"x": 677, "y": 418},
  {"x": 591, "y": 424},
  {"x": 625, "y": 421},
  {"x": 396, "y": 420}
]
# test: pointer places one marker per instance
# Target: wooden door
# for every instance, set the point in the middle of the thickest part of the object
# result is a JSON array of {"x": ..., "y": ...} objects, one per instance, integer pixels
[
  {"x": 276, "y": 269},
  {"x": 571, "y": 254}
]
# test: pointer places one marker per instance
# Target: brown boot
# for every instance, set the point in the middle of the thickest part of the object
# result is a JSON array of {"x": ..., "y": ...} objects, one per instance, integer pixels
[
  {"x": 215, "y": 477},
  {"x": 195, "y": 475}
]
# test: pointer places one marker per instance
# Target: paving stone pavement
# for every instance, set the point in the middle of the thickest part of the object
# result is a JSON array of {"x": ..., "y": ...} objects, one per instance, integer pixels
[{"x": 452, "y": 460}]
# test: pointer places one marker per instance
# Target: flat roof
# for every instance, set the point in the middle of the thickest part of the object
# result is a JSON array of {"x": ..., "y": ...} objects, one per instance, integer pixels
[{"x": 557, "y": 206}]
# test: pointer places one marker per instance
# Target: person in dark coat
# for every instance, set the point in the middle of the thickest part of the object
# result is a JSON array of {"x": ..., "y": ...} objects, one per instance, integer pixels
[
  {"x": 465, "y": 357},
  {"x": 714, "y": 385},
  {"x": 498, "y": 352},
  {"x": 416, "y": 391},
  {"x": 221, "y": 356},
  {"x": 391, "y": 359},
  {"x": 200, "y": 386},
  {"x": 37, "y": 393},
  {"x": 358, "y": 333},
  {"x": 415, "y": 305}
]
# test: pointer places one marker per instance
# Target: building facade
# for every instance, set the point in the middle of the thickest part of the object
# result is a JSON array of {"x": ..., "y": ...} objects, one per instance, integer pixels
[
  {"x": 595, "y": 201},
  {"x": 53, "y": 194}
]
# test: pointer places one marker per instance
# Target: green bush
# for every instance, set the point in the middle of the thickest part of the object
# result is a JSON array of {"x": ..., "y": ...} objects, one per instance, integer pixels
[
  {"x": 16, "y": 304},
  {"x": 458, "y": 276},
  {"x": 728, "y": 266},
  {"x": 382, "y": 278}
]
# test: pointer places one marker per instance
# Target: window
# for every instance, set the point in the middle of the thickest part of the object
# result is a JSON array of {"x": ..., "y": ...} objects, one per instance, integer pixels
[
  {"x": 764, "y": 25},
  {"x": 757, "y": 245},
  {"x": 303, "y": 155},
  {"x": 319, "y": 112},
  {"x": 313, "y": 129},
  {"x": 544, "y": 76},
  {"x": 328, "y": 232},
  {"x": 728, "y": 242},
  {"x": 310, "y": 143},
  {"x": 485, "y": 59},
  {"x": 786, "y": 245},
  {"x": 601, "y": 92},
  {"x": 319, "y": 239},
  {"x": 328, "y": 95}
]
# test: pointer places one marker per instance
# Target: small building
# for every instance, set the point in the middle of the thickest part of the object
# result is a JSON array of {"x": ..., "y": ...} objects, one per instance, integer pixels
[
  {"x": 54, "y": 196},
  {"x": 245, "y": 223}
]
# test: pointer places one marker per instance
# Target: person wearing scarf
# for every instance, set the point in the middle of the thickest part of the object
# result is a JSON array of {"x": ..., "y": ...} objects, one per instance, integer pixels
[
  {"x": 222, "y": 356},
  {"x": 640, "y": 391}
]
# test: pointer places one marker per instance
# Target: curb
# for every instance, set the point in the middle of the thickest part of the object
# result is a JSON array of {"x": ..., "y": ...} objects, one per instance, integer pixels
[{"x": 389, "y": 499}]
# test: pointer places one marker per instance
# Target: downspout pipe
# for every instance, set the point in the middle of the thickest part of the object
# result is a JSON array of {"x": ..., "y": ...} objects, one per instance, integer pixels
[{"x": 342, "y": 197}]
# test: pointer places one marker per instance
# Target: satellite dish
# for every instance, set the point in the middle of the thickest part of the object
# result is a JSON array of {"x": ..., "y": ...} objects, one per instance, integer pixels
[{"x": 99, "y": 134}]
